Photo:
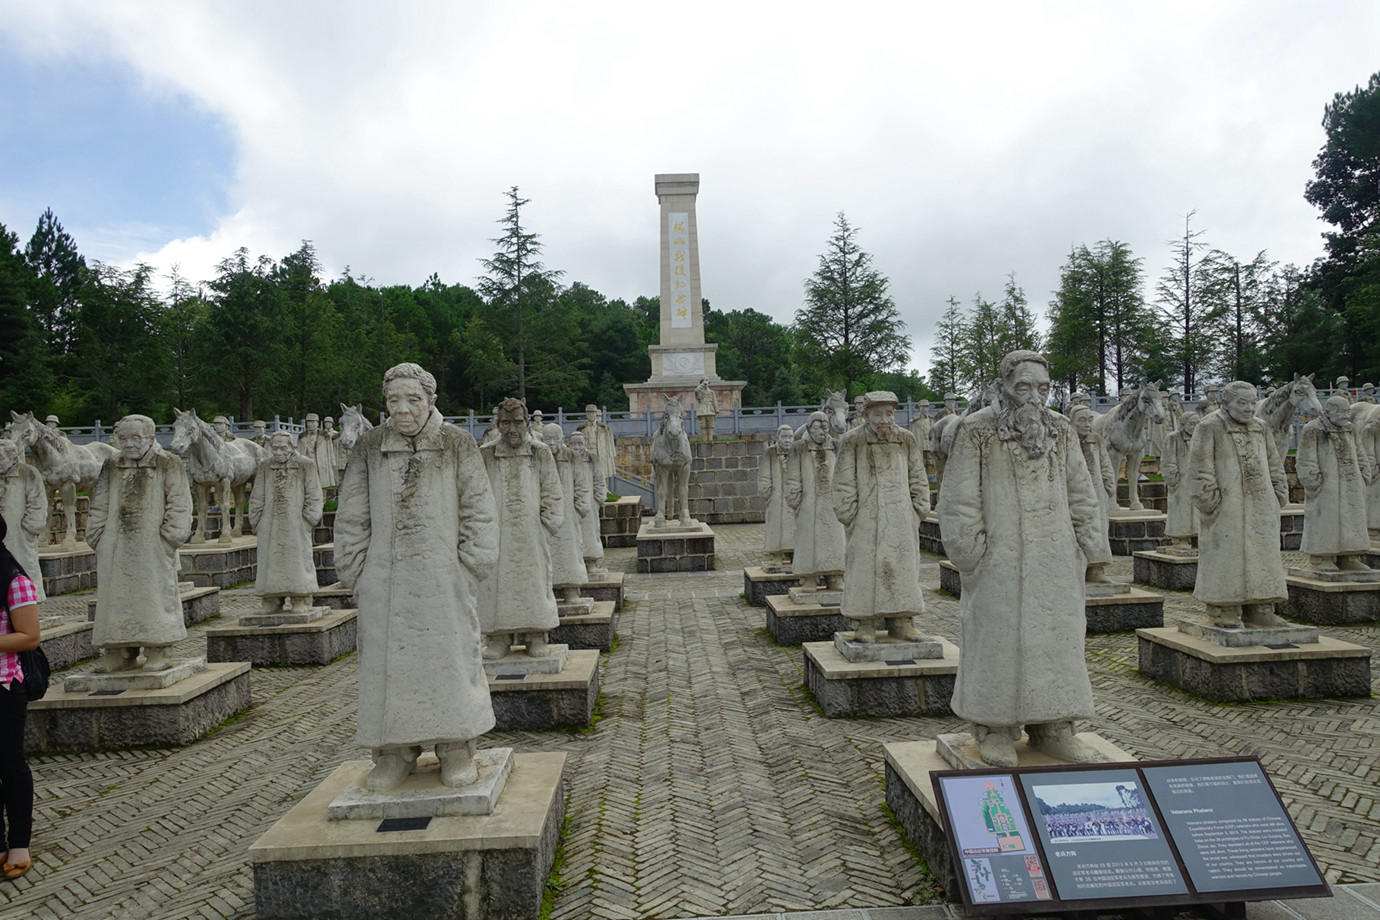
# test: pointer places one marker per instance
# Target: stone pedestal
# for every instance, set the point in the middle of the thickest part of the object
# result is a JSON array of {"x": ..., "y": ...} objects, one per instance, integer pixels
[
  {"x": 222, "y": 565},
  {"x": 198, "y": 605},
  {"x": 605, "y": 586},
  {"x": 763, "y": 581},
  {"x": 1133, "y": 531},
  {"x": 950, "y": 579},
  {"x": 675, "y": 548},
  {"x": 535, "y": 700},
  {"x": 1314, "y": 599},
  {"x": 67, "y": 570},
  {"x": 1223, "y": 673},
  {"x": 1152, "y": 494},
  {"x": 594, "y": 630},
  {"x": 896, "y": 687},
  {"x": 930, "y": 539},
  {"x": 319, "y": 640},
  {"x": 1121, "y": 608},
  {"x": 1170, "y": 571},
  {"x": 619, "y": 521},
  {"x": 66, "y": 643},
  {"x": 1290, "y": 528},
  {"x": 336, "y": 596},
  {"x": 323, "y": 559},
  {"x": 794, "y": 624},
  {"x": 807, "y": 594},
  {"x": 723, "y": 481},
  {"x": 423, "y": 795},
  {"x": 910, "y": 790},
  {"x": 106, "y": 719},
  {"x": 324, "y": 532},
  {"x": 475, "y": 866}
]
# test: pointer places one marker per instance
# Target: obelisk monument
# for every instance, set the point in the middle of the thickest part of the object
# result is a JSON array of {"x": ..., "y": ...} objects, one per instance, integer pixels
[{"x": 683, "y": 358}]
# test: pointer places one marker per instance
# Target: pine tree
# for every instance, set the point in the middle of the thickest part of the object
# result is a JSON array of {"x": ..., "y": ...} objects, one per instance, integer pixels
[
  {"x": 946, "y": 355},
  {"x": 1185, "y": 301}
]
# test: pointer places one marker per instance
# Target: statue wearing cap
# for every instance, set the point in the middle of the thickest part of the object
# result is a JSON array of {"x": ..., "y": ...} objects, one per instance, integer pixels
[{"x": 317, "y": 445}]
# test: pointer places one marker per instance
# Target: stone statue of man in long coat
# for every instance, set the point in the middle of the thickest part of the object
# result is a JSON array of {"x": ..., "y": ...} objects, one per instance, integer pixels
[
  {"x": 1334, "y": 473},
  {"x": 24, "y": 506},
  {"x": 1017, "y": 514},
  {"x": 284, "y": 508},
  {"x": 1181, "y": 519},
  {"x": 415, "y": 531},
  {"x": 819, "y": 537},
  {"x": 1104, "y": 486},
  {"x": 771, "y": 486},
  {"x": 599, "y": 440}
]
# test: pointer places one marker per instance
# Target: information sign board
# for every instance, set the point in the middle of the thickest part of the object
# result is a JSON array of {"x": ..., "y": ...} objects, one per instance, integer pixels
[{"x": 1122, "y": 834}]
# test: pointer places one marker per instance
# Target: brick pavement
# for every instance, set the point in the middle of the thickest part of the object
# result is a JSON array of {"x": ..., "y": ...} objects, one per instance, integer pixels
[{"x": 711, "y": 786}]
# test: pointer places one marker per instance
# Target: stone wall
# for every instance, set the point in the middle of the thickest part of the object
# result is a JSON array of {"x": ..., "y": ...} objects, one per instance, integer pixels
[{"x": 723, "y": 482}]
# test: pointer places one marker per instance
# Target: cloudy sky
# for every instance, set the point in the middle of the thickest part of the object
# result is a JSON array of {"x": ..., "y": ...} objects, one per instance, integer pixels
[{"x": 966, "y": 141}]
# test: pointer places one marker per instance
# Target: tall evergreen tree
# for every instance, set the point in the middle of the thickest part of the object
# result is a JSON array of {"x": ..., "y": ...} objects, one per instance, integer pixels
[
  {"x": 123, "y": 364},
  {"x": 947, "y": 353},
  {"x": 241, "y": 348},
  {"x": 1185, "y": 300},
  {"x": 53, "y": 258},
  {"x": 183, "y": 313},
  {"x": 26, "y": 380},
  {"x": 307, "y": 332}
]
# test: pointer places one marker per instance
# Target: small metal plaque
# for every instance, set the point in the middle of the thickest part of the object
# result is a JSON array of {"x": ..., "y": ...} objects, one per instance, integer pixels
[
  {"x": 402, "y": 824},
  {"x": 901, "y": 661},
  {"x": 511, "y": 677},
  {"x": 830, "y": 604},
  {"x": 1280, "y": 645},
  {"x": 105, "y": 693}
]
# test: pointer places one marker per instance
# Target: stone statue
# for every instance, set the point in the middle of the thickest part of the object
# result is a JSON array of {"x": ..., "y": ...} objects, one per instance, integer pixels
[
  {"x": 221, "y": 424},
  {"x": 857, "y": 419},
  {"x": 320, "y": 447},
  {"x": 142, "y": 494},
  {"x": 819, "y": 536},
  {"x": 414, "y": 532},
  {"x": 1181, "y": 524},
  {"x": 586, "y": 480},
  {"x": 1104, "y": 487},
  {"x": 1081, "y": 398},
  {"x": 516, "y": 605},
  {"x": 24, "y": 506},
  {"x": 920, "y": 428},
  {"x": 1343, "y": 388},
  {"x": 599, "y": 440},
  {"x": 1334, "y": 475},
  {"x": 880, "y": 494},
  {"x": 950, "y": 406},
  {"x": 1016, "y": 509},
  {"x": 567, "y": 543},
  {"x": 706, "y": 408},
  {"x": 537, "y": 425},
  {"x": 1368, "y": 443},
  {"x": 671, "y": 458},
  {"x": 771, "y": 485},
  {"x": 260, "y": 436},
  {"x": 1211, "y": 402},
  {"x": 52, "y": 421},
  {"x": 1367, "y": 394},
  {"x": 284, "y": 507},
  {"x": 1238, "y": 486}
]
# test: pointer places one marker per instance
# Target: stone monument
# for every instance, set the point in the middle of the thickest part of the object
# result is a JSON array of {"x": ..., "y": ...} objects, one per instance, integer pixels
[
  {"x": 602, "y": 447},
  {"x": 566, "y": 543},
  {"x": 221, "y": 424},
  {"x": 1182, "y": 517},
  {"x": 319, "y": 445},
  {"x": 1334, "y": 475},
  {"x": 671, "y": 458},
  {"x": 283, "y": 508},
  {"x": 24, "y": 506},
  {"x": 260, "y": 436},
  {"x": 587, "y": 480},
  {"x": 779, "y": 538},
  {"x": 819, "y": 536},
  {"x": 920, "y": 428}
]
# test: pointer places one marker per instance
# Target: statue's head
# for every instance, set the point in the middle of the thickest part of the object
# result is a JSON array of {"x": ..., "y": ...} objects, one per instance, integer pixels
[
  {"x": 1022, "y": 391},
  {"x": 817, "y": 428},
  {"x": 1343, "y": 382},
  {"x": 1126, "y": 394},
  {"x": 879, "y": 412},
  {"x": 1082, "y": 418},
  {"x": 951, "y": 401},
  {"x": 9, "y": 455},
  {"x": 409, "y": 395},
  {"x": 1210, "y": 393},
  {"x": 511, "y": 418},
  {"x": 1337, "y": 411},
  {"x": 577, "y": 442},
  {"x": 552, "y": 436},
  {"x": 1189, "y": 424},
  {"x": 328, "y": 423},
  {"x": 134, "y": 434},
  {"x": 281, "y": 446},
  {"x": 313, "y": 421},
  {"x": 51, "y": 421},
  {"x": 1238, "y": 399},
  {"x": 785, "y": 436},
  {"x": 593, "y": 414},
  {"x": 260, "y": 426},
  {"x": 923, "y": 405}
]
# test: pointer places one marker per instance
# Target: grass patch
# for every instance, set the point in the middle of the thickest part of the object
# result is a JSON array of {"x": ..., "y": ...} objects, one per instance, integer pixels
[
  {"x": 930, "y": 891},
  {"x": 552, "y": 888},
  {"x": 330, "y": 505}
]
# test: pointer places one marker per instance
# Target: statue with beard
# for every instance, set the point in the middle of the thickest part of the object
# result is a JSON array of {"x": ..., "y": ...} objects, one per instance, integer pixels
[
  {"x": 1104, "y": 485},
  {"x": 771, "y": 485},
  {"x": 1019, "y": 516}
]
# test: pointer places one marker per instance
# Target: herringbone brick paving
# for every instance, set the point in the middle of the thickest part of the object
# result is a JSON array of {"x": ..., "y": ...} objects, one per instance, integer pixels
[{"x": 711, "y": 785}]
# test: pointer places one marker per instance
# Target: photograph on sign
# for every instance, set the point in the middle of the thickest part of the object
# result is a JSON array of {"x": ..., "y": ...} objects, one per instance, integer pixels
[
  {"x": 998, "y": 858},
  {"x": 1230, "y": 827},
  {"x": 1100, "y": 835}
]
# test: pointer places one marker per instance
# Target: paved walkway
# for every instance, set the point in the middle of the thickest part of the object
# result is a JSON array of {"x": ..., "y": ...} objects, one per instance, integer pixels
[{"x": 710, "y": 787}]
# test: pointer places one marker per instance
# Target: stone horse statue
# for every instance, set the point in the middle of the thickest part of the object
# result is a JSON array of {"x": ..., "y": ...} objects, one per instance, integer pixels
[
  {"x": 215, "y": 463},
  {"x": 352, "y": 425},
  {"x": 1123, "y": 433},
  {"x": 671, "y": 461},
  {"x": 835, "y": 405},
  {"x": 1278, "y": 410},
  {"x": 945, "y": 429},
  {"x": 65, "y": 467}
]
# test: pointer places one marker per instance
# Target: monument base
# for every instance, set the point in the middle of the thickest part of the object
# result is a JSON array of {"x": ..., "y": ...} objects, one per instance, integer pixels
[
  {"x": 423, "y": 795},
  {"x": 520, "y": 664},
  {"x": 317, "y": 642},
  {"x": 605, "y": 586},
  {"x": 198, "y": 605},
  {"x": 594, "y": 630},
  {"x": 67, "y": 643},
  {"x": 477, "y": 866},
  {"x": 845, "y": 689},
  {"x": 1163, "y": 569},
  {"x": 619, "y": 521},
  {"x": 534, "y": 701},
  {"x": 1331, "y": 603},
  {"x": 1121, "y": 611},
  {"x": 1134, "y": 531},
  {"x": 808, "y": 593},
  {"x": 70, "y": 720},
  {"x": 763, "y": 581},
  {"x": 931, "y": 541},
  {"x": 794, "y": 624},
  {"x": 950, "y": 579},
  {"x": 222, "y": 565},
  {"x": 335, "y": 596},
  {"x": 323, "y": 560},
  {"x": 1291, "y": 528},
  {"x": 582, "y": 607},
  {"x": 67, "y": 568},
  {"x": 675, "y": 548},
  {"x": 1224, "y": 674}
]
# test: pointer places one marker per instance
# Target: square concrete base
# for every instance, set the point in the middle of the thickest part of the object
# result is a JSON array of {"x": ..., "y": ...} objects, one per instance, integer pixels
[
  {"x": 97, "y": 682},
  {"x": 592, "y": 630},
  {"x": 480, "y": 867},
  {"x": 222, "y": 565},
  {"x": 67, "y": 643},
  {"x": 1327, "y": 668},
  {"x": 1169, "y": 571},
  {"x": 1331, "y": 603},
  {"x": 422, "y": 795},
  {"x": 321, "y": 641},
  {"x": 619, "y": 521},
  {"x": 910, "y": 796},
  {"x": 950, "y": 579},
  {"x": 519, "y": 664},
  {"x": 793, "y": 624},
  {"x": 1134, "y": 531},
  {"x": 605, "y": 587},
  {"x": 671, "y": 548},
  {"x": 335, "y": 596},
  {"x": 67, "y": 569},
  {"x": 761, "y": 582},
  {"x": 880, "y": 688},
  {"x": 931, "y": 541},
  {"x": 564, "y": 700},
  {"x": 176, "y": 715},
  {"x": 198, "y": 605},
  {"x": 1123, "y": 612}
]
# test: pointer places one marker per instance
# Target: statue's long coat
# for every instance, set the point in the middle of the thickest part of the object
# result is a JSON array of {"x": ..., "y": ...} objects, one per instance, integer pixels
[
  {"x": 24, "y": 506},
  {"x": 527, "y": 494},
  {"x": 1329, "y": 468},
  {"x": 1019, "y": 531},
  {"x": 1368, "y": 443},
  {"x": 880, "y": 494},
  {"x": 567, "y": 543},
  {"x": 320, "y": 447},
  {"x": 414, "y": 530},
  {"x": 1182, "y": 516},
  {"x": 771, "y": 485},
  {"x": 585, "y": 475},
  {"x": 1238, "y": 542},
  {"x": 1104, "y": 487},
  {"x": 140, "y": 514},
  {"x": 819, "y": 537},
  {"x": 599, "y": 440},
  {"x": 283, "y": 508}
]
